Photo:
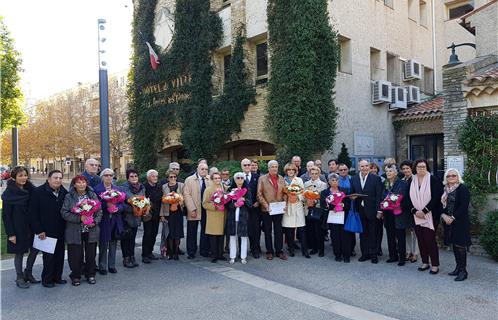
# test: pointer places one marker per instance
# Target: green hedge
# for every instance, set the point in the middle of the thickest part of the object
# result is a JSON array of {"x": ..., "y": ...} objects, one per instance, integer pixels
[{"x": 489, "y": 234}]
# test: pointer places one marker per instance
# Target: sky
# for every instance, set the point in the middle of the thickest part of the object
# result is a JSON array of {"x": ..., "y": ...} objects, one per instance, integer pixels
[{"x": 58, "y": 41}]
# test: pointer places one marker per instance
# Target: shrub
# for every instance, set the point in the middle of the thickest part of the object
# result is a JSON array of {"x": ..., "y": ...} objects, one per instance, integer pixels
[{"x": 489, "y": 234}]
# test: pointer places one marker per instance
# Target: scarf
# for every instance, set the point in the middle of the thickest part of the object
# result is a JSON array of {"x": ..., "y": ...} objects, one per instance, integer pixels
[
  {"x": 420, "y": 196},
  {"x": 388, "y": 186},
  {"x": 447, "y": 191},
  {"x": 135, "y": 187},
  {"x": 345, "y": 183}
]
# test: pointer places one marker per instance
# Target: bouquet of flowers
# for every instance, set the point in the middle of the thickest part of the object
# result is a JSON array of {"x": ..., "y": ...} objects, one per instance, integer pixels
[
  {"x": 293, "y": 190},
  {"x": 236, "y": 195},
  {"x": 335, "y": 200},
  {"x": 219, "y": 198},
  {"x": 112, "y": 197},
  {"x": 311, "y": 195},
  {"x": 173, "y": 199},
  {"x": 86, "y": 207},
  {"x": 141, "y": 205},
  {"x": 392, "y": 202}
]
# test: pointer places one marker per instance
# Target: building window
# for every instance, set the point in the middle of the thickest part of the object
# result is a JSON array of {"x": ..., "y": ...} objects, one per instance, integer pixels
[
  {"x": 389, "y": 3},
  {"x": 393, "y": 69},
  {"x": 423, "y": 13},
  {"x": 226, "y": 66},
  {"x": 412, "y": 10},
  {"x": 262, "y": 63},
  {"x": 428, "y": 81},
  {"x": 375, "y": 66},
  {"x": 459, "y": 9},
  {"x": 346, "y": 59}
]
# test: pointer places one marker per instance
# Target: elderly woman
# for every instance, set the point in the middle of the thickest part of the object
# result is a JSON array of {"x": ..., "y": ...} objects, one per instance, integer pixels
[
  {"x": 341, "y": 239},
  {"x": 81, "y": 238},
  {"x": 215, "y": 218},
  {"x": 173, "y": 214},
  {"x": 132, "y": 187},
  {"x": 314, "y": 229},
  {"x": 15, "y": 214},
  {"x": 294, "y": 214},
  {"x": 238, "y": 217},
  {"x": 425, "y": 193},
  {"x": 396, "y": 224},
  {"x": 111, "y": 224},
  {"x": 153, "y": 191},
  {"x": 411, "y": 237},
  {"x": 455, "y": 200}
]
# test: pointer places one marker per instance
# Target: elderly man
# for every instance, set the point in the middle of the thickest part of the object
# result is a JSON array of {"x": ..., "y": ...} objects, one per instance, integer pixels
[
  {"x": 270, "y": 190},
  {"x": 296, "y": 160},
  {"x": 90, "y": 173},
  {"x": 154, "y": 191},
  {"x": 307, "y": 175},
  {"x": 368, "y": 207},
  {"x": 175, "y": 167},
  {"x": 193, "y": 191},
  {"x": 253, "y": 224},
  {"x": 225, "y": 177}
]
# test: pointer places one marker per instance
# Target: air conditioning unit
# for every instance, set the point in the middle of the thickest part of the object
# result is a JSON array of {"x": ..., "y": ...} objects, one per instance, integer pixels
[
  {"x": 412, "y": 70},
  {"x": 398, "y": 98},
  {"x": 381, "y": 91},
  {"x": 412, "y": 94}
]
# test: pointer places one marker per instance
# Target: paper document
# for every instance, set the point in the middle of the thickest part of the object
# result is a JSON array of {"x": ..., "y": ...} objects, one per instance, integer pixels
[
  {"x": 336, "y": 217},
  {"x": 47, "y": 245},
  {"x": 277, "y": 208}
]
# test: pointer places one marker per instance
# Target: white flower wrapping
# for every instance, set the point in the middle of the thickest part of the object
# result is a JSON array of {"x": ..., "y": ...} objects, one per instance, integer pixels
[
  {"x": 217, "y": 200},
  {"x": 393, "y": 198},
  {"x": 87, "y": 207},
  {"x": 385, "y": 204}
]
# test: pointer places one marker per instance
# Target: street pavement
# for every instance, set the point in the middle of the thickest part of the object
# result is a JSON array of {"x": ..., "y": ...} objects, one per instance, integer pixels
[{"x": 316, "y": 288}]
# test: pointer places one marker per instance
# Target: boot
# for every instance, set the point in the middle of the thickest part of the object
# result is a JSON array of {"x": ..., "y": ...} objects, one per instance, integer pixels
[
  {"x": 176, "y": 249},
  {"x": 20, "y": 282},
  {"x": 457, "y": 260},
  {"x": 28, "y": 277},
  {"x": 127, "y": 262},
  {"x": 462, "y": 272}
]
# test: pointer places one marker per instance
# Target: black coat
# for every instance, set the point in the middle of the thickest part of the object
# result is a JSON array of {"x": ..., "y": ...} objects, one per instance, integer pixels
[
  {"x": 460, "y": 228},
  {"x": 243, "y": 217},
  {"x": 45, "y": 211},
  {"x": 405, "y": 219},
  {"x": 155, "y": 194},
  {"x": 325, "y": 207},
  {"x": 434, "y": 205},
  {"x": 15, "y": 214},
  {"x": 253, "y": 186},
  {"x": 373, "y": 190}
]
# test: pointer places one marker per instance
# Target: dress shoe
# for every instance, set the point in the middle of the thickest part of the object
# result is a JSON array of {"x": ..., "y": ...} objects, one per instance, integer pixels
[
  {"x": 401, "y": 263},
  {"x": 422, "y": 268},
  {"x": 312, "y": 252},
  {"x": 434, "y": 272},
  {"x": 28, "y": 277},
  {"x": 454, "y": 272},
  {"x": 306, "y": 255},
  {"x": 338, "y": 259},
  {"x": 243, "y": 261},
  {"x": 462, "y": 275},
  {"x": 152, "y": 257},
  {"x": 48, "y": 284},
  {"x": 61, "y": 281},
  {"x": 391, "y": 260},
  {"x": 113, "y": 270},
  {"x": 103, "y": 272},
  {"x": 91, "y": 280},
  {"x": 363, "y": 258},
  {"x": 21, "y": 283},
  {"x": 127, "y": 263},
  {"x": 375, "y": 260},
  {"x": 75, "y": 282},
  {"x": 146, "y": 260},
  {"x": 346, "y": 260},
  {"x": 256, "y": 255},
  {"x": 282, "y": 256},
  {"x": 269, "y": 256}
]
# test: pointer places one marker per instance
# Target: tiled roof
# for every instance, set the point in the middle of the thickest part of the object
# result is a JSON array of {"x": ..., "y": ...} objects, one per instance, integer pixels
[
  {"x": 491, "y": 74},
  {"x": 426, "y": 110}
]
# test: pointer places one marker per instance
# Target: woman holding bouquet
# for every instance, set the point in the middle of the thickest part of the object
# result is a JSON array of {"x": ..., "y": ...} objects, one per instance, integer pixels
[
  {"x": 132, "y": 188},
  {"x": 333, "y": 200},
  {"x": 81, "y": 233},
  {"x": 396, "y": 216},
  {"x": 314, "y": 228},
  {"x": 173, "y": 213},
  {"x": 111, "y": 225},
  {"x": 238, "y": 216},
  {"x": 294, "y": 214},
  {"x": 215, "y": 216}
]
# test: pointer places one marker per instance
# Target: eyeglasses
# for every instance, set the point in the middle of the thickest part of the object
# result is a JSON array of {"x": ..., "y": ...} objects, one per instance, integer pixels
[
  {"x": 343, "y": 169},
  {"x": 133, "y": 176},
  {"x": 107, "y": 175},
  {"x": 175, "y": 168},
  {"x": 93, "y": 164},
  {"x": 240, "y": 178},
  {"x": 247, "y": 165},
  {"x": 203, "y": 169},
  {"x": 172, "y": 177},
  {"x": 451, "y": 176}
]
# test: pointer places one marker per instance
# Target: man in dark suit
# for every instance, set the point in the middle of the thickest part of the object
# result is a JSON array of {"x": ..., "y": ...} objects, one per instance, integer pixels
[
  {"x": 296, "y": 160},
  {"x": 368, "y": 207},
  {"x": 253, "y": 225}
]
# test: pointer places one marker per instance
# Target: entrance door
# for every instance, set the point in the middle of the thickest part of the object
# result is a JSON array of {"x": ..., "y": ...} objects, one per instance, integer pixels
[{"x": 429, "y": 147}]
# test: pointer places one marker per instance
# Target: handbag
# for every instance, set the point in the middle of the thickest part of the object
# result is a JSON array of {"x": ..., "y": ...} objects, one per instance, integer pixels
[
  {"x": 353, "y": 222},
  {"x": 315, "y": 214}
]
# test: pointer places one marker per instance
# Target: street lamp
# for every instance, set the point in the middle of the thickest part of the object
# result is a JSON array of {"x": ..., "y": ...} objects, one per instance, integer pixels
[
  {"x": 454, "y": 56},
  {"x": 103, "y": 93}
]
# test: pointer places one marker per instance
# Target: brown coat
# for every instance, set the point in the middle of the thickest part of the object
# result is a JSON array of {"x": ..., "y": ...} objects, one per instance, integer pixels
[
  {"x": 215, "y": 220},
  {"x": 266, "y": 191},
  {"x": 192, "y": 195}
]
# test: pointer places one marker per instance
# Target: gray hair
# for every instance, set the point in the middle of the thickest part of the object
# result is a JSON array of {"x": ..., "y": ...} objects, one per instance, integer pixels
[
  {"x": 106, "y": 171},
  {"x": 174, "y": 165},
  {"x": 333, "y": 176},
  {"x": 460, "y": 180},
  {"x": 272, "y": 162},
  {"x": 88, "y": 161},
  {"x": 213, "y": 170},
  {"x": 391, "y": 167},
  {"x": 244, "y": 161},
  {"x": 151, "y": 172},
  {"x": 238, "y": 174}
]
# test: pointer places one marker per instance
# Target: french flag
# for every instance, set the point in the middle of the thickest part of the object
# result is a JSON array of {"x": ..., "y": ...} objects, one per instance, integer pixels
[{"x": 154, "y": 58}]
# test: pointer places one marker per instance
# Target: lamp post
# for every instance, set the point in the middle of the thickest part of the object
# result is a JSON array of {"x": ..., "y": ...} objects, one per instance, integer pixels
[
  {"x": 454, "y": 56},
  {"x": 103, "y": 94}
]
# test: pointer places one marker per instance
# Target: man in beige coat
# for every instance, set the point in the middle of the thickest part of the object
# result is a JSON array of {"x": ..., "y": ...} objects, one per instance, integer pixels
[
  {"x": 194, "y": 188},
  {"x": 270, "y": 189}
]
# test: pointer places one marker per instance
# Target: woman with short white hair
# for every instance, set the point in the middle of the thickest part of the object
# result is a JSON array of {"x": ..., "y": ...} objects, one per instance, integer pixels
[{"x": 455, "y": 200}]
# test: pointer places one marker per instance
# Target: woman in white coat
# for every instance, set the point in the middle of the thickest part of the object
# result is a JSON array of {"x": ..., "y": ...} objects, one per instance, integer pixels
[{"x": 294, "y": 214}]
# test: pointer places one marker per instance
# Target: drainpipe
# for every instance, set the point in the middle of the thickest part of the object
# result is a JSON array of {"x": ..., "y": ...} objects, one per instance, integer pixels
[{"x": 434, "y": 59}]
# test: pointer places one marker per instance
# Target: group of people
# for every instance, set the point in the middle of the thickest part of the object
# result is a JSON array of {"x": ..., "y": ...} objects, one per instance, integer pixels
[{"x": 233, "y": 212}]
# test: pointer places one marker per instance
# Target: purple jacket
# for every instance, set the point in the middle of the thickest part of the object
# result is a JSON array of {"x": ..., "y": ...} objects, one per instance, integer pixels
[{"x": 109, "y": 223}]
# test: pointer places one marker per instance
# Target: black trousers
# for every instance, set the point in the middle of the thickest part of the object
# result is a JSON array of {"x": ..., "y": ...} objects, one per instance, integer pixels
[
  {"x": 192, "y": 226},
  {"x": 278, "y": 237},
  {"x": 341, "y": 241},
  {"x": 396, "y": 238},
  {"x": 128, "y": 245},
  {"x": 204, "y": 242},
  {"x": 316, "y": 234},
  {"x": 254, "y": 230},
  {"x": 151, "y": 228},
  {"x": 290, "y": 236},
  {"x": 216, "y": 245},
  {"x": 368, "y": 238},
  {"x": 81, "y": 258},
  {"x": 53, "y": 264}
]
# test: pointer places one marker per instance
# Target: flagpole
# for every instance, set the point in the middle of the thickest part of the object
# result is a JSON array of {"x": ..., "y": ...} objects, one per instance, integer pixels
[{"x": 103, "y": 93}]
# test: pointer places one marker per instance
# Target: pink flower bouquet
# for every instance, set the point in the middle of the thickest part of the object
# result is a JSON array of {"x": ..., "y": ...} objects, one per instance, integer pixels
[
  {"x": 236, "y": 195},
  {"x": 112, "y": 197},
  {"x": 86, "y": 207},
  {"x": 392, "y": 202},
  {"x": 335, "y": 200},
  {"x": 219, "y": 198}
]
